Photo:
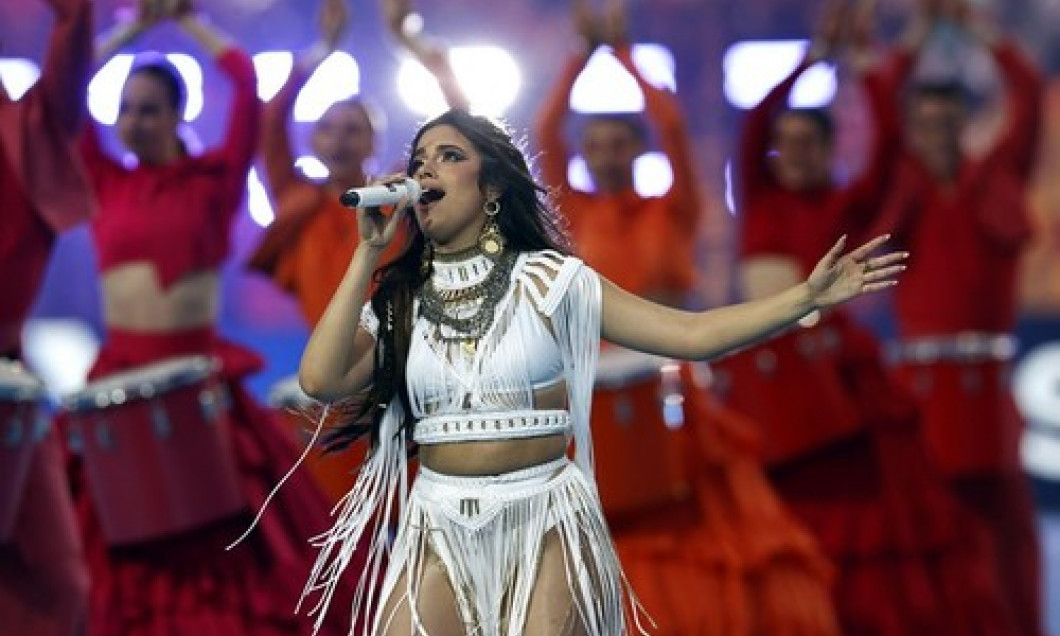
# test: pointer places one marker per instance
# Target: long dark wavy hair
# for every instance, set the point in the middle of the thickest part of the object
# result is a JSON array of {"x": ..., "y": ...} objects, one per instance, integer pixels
[{"x": 528, "y": 222}]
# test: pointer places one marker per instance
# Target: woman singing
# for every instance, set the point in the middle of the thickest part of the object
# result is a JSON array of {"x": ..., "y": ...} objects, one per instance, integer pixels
[{"x": 478, "y": 348}]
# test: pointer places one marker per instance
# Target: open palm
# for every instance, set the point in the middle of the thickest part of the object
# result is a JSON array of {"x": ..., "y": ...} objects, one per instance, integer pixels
[{"x": 840, "y": 277}]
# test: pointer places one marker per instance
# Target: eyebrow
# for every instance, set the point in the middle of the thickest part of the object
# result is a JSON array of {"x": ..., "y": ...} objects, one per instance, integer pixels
[{"x": 422, "y": 151}]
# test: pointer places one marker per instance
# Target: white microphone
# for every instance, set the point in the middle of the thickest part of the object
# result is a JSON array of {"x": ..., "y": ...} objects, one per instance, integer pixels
[{"x": 383, "y": 194}]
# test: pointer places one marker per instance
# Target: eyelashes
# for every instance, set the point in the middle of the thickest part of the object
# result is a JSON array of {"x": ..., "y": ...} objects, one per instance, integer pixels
[{"x": 446, "y": 155}]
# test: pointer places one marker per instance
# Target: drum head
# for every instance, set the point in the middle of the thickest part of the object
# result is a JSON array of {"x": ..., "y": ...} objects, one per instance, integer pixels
[
  {"x": 142, "y": 382},
  {"x": 17, "y": 384},
  {"x": 287, "y": 393}
]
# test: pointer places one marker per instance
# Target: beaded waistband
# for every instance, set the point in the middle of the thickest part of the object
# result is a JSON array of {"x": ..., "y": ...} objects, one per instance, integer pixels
[
  {"x": 969, "y": 347},
  {"x": 529, "y": 476},
  {"x": 469, "y": 427}
]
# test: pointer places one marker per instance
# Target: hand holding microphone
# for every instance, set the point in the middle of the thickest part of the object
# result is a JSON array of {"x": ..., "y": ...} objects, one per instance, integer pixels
[
  {"x": 377, "y": 229},
  {"x": 381, "y": 194}
]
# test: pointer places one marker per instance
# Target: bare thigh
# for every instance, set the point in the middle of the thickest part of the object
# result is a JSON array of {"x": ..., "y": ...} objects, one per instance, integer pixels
[
  {"x": 437, "y": 607},
  {"x": 552, "y": 611}
]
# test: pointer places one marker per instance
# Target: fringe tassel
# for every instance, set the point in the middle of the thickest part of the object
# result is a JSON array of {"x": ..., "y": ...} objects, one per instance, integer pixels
[
  {"x": 491, "y": 552},
  {"x": 272, "y": 493},
  {"x": 362, "y": 520}
]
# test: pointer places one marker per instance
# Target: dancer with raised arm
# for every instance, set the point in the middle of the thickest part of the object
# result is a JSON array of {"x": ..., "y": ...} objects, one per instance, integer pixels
[
  {"x": 43, "y": 576},
  {"x": 700, "y": 518},
  {"x": 840, "y": 434},
  {"x": 175, "y": 452},
  {"x": 957, "y": 315},
  {"x": 307, "y": 247}
]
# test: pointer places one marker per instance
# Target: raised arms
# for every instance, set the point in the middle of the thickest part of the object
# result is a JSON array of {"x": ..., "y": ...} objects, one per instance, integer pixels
[{"x": 428, "y": 52}]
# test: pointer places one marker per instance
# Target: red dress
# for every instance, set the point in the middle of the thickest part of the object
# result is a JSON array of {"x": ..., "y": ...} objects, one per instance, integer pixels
[
  {"x": 43, "y": 576},
  {"x": 966, "y": 240},
  {"x": 702, "y": 538},
  {"x": 841, "y": 437},
  {"x": 177, "y": 218}
]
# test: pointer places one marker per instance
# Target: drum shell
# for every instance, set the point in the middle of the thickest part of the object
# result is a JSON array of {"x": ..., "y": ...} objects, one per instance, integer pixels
[
  {"x": 21, "y": 430},
  {"x": 794, "y": 388},
  {"x": 641, "y": 462},
  {"x": 335, "y": 472},
  {"x": 160, "y": 466}
]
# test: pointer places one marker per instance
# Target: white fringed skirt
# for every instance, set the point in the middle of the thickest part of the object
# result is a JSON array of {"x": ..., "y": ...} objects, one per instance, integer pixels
[{"x": 489, "y": 533}]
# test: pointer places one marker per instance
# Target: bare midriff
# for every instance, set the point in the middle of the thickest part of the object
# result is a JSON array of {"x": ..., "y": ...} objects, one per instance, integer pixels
[
  {"x": 495, "y": 457},
  {"x": 134, "y": 299}
]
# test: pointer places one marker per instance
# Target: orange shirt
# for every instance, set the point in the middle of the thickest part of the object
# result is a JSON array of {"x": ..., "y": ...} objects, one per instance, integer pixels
[
  {"x": 308, "y": 247},
  {"x": 642, "y": 244}
]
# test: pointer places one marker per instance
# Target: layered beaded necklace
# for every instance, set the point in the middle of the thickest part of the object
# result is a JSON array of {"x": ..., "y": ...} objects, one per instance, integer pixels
[{"x": 462, "y": 294}]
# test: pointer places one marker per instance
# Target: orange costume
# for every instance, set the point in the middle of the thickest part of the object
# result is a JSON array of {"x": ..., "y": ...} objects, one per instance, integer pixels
[
  {"x": 705, "y": 544},
  {"x": 307, "y": 248},
  {"x": 306, "y": 251}
]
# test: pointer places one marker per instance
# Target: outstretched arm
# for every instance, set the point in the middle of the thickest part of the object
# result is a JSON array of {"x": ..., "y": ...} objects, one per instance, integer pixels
[
  {"x": 638, "y": 324},
  {"x": 107, "y": 44},
  {"x": 432, "y": 55},
  {"x": 664, "y": 114},
  {"x": 752, "y": 164}
]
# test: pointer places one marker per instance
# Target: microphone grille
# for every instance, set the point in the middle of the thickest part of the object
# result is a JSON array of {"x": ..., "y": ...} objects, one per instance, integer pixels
[{"x": 350, "y": 198}]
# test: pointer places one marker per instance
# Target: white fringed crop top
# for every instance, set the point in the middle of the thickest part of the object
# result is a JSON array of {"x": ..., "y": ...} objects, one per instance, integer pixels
[{"x": 466, "y": 389}]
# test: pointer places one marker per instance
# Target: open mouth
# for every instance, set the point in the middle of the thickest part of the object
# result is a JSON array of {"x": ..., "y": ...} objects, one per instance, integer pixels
[{"x": 431, "y": 195}]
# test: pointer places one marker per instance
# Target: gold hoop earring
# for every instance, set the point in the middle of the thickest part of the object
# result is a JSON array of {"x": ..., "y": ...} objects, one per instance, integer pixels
[{"x": 490, "y": 240}]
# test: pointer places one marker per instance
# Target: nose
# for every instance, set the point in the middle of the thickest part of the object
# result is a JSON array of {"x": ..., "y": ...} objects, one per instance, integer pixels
[{"x": 423, "y": 171}]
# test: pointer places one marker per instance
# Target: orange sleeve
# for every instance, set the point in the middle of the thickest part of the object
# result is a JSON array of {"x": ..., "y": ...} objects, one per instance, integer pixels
[
  {"x": 664, "y": 113},
  {"x": 283, "y": 180},
  {"x": 550, "y": 123},
  {"x": 442, "y": 70}
]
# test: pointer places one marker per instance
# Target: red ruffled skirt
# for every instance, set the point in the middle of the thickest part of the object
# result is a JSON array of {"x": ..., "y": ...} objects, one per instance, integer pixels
[
  {"x": 909, "y": 558},
  {"x": 717, "y": 554},
  {"x": 188, "y": 584},
  {"x": 972, "y": 429}
]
